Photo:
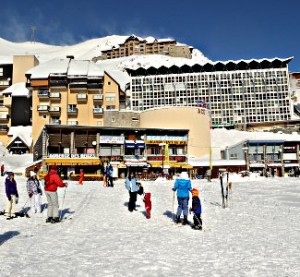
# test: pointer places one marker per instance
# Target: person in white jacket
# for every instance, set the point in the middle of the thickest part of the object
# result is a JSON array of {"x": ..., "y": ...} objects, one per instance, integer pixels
[{"x": 34, "y": 192}]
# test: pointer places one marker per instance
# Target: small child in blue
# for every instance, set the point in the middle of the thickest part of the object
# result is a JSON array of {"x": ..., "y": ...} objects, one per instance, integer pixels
[{"x": 196, "y": 209}]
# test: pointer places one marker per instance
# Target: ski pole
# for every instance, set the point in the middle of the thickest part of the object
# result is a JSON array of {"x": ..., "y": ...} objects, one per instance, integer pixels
[
  {"x": 62, "y": 205},
  {"x": 173, "y": 205}
]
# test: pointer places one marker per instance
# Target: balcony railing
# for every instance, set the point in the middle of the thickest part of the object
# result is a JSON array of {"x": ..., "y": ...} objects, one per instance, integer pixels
[
  {"x": 4, "y": 117},
  {"x": 94, "y": 86},
  {"x": 58, "y": 83},
  {"x": 55, "y": 95},
  {"x": 55, "y": 122},
  {"x": 79, "y": 85},
  {"x": 81, "y": 97},
  {"x": 42, "y": 108},
  {"x": 97, "y": 110},
  {"x": 54, "y": 109},
  {"x": 98, "y": 97},
  {"x": 72, "y": 122},
  {"x": 72, "y": 111},
  {"x": 43, "y": 93},
  {"x": 3, "y": 128}
]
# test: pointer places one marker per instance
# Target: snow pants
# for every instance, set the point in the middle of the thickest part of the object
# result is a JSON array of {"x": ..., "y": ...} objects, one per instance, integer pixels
[
  {"x": 132, "y": 201},
  {"x": 35, "y": 203},
  {"x": 10, "y": 209},
  {"x": 197, "y": 220},
  {"x": 182, "y": 206},
  {"x": 52, "y": 199}
]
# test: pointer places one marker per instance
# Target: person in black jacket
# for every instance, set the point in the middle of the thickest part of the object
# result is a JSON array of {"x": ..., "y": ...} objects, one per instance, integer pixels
[
  {"x": 12, "y": 195},
  {"x": 196, "y": 209}
]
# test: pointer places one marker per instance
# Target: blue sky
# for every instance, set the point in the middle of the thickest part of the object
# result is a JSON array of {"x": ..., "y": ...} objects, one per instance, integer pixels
[{"x": 221, "y": 29}]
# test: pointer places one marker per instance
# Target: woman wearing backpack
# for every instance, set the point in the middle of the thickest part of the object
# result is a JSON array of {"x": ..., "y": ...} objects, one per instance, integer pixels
[{"x": 52, "y": 182}]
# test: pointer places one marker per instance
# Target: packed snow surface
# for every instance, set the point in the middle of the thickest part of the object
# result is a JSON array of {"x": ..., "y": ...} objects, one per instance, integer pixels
[{"x": 257, "y": 235}]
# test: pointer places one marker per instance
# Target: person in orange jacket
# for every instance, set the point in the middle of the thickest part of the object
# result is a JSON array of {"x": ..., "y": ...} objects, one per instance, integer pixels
[
  {"x": 81, "y": 176},
  {"x": 52, "y": 182}
]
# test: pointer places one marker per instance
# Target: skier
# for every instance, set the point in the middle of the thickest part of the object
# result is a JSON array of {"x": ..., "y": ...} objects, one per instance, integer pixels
[
  {"x": 52, "y": 182},
  {"x": 183, "y": 186},
  {"x": 196, "y": 209},
  {"x": 12, "y": 195},
  {"x": 34, "y": 192}
]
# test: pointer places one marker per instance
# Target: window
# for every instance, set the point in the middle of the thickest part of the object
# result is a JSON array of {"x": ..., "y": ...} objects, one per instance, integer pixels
[
  {"x": 72, "y": 108},
  {"x": 109, "y": 97},
  {"x": 1, "y": 71}
]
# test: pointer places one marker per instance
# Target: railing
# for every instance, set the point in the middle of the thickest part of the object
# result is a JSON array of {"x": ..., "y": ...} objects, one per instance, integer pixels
[
  {"x": 42, "y": 108},
  {"x": 82, "y": 97},
  {"x": 97, "y": 97},
  {"x": 54, "y": 109},
  {"x": 73, "y": 111},
  {"x": 43, "y": 93},
  {"x": 97, "y": 110},
  {"x": 72, "y": 122},
  {"x": 55, "y": 122},
  {"x": 55, "y": 95}
]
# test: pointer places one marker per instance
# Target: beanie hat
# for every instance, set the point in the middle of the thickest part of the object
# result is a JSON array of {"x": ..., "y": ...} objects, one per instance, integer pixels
[
  {"x": 184, "y": 175},
  {"x": 32, "y": 174},
  {"x": 195, "y": 192}
]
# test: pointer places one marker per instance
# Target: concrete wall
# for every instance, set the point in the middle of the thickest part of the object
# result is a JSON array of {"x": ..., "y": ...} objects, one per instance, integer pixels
[{"x": 197, "y": 120}]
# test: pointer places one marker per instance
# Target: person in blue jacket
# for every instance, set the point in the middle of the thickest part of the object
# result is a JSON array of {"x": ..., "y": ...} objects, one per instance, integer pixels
[
  {"x": 183, "y": 186},
  {"x": 132, "y": 187}
]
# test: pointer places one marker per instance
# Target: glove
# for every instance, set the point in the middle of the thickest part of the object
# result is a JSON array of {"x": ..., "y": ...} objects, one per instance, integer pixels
[
  {"x": 30, "y": 194},
  {"x": 17, "y": 200},
  {"x": 173, "y": 189},
  {"x": 9, "y": 198}
]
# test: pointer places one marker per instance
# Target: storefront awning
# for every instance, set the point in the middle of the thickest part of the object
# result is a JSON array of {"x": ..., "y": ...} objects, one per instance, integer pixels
[
  {"x": 134, "y": 144},
  {"x": 72, "y": 161},
  {"x": 257, "y": 165},
  {"x": 138, "y": 164},
  {"x": 291, "y": 165}
]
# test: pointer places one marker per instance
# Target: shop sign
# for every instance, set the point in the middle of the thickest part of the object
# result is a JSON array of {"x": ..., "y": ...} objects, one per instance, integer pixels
[
  {"x": 72, "y": 156},
  {"x": 112, "y": 139}
]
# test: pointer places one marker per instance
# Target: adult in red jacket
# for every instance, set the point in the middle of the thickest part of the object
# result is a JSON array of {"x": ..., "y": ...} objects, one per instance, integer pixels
[{"x": 52, "y": 182}]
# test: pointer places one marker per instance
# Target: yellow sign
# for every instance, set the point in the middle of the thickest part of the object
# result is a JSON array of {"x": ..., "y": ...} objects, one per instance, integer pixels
[{"x": 178, "y": 142}]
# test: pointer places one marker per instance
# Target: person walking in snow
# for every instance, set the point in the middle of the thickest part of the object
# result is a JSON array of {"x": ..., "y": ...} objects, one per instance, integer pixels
[
  {"x": 52, "y": 182},
  {"x": 132, "y": 187},
  {"x": 183, "y": 186},
  {"x": 196, "y": 209},
  {"x": 12, "y": 195},
  {"x": 81, "y": 177},
  {"x": 2, "y": 169},
  {"x": 34, "y": 192}
]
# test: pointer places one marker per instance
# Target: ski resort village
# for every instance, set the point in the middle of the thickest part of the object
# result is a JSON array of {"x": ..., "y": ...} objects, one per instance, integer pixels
[{"x": 140, "y": 156}]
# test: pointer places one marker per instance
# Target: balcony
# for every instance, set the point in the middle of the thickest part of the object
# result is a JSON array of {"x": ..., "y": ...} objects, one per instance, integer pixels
[
  {"x": 72, "y": 122},
  {"x": 58, "y": 83},
  {"x": 97, "y": 111},
  {"x": 43, "y": 93},
  {"x": 78, "y": 85},
  {"x": 54, "y": 109},
  {"x": 4, "y": 117},
  {"x": 55, "y": 96},
  {"x": 97, "y": 97},
  {"x": 42, "y": 108},
  {"x": 94, "y": 86},
  {"x": 81, "y": 97},
  {"x": 3, "y": 128},
  {"x": 72, "y": 111},
  {"x": 55, "y": 122}
]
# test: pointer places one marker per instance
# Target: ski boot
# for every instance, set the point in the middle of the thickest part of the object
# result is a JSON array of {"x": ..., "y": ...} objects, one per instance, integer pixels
[
  {"x": 185, "y": 221},
  {"x": 49, "y": 220}
]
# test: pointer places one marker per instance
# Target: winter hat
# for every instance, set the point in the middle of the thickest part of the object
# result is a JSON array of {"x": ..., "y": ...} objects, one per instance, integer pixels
[
  {"x": 195, "y": 192},
  {"x": 54, "y": 167},
  {"x": 184, "y": 175},
  {"x": 32, "y": 174}
]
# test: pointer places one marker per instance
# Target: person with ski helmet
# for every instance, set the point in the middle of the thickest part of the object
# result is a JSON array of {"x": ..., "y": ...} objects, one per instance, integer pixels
[
  {"x": 196, "y": 209},
  {"x": 183, "y": 186},
  {"x": 52, "y": 182}
]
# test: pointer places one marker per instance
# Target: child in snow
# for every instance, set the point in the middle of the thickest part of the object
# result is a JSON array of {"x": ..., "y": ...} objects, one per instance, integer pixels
[
  {"x": 81, "y": 177},
  {"x": 148, "y": 204},
  {"x": 196, "y": 209}
]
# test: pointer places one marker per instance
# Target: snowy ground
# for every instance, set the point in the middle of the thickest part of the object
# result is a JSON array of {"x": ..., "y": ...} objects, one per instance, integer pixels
[{"x": 258, "y": 235}]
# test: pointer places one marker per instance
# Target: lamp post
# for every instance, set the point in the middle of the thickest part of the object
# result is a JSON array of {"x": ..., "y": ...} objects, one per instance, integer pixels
[
  {"x": 246, "y": 157},
  {"x": 162, "y": 145}
]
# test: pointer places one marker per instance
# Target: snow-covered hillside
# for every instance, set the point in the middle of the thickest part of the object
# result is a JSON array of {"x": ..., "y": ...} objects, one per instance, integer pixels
[{"x": 82, "y": 51}]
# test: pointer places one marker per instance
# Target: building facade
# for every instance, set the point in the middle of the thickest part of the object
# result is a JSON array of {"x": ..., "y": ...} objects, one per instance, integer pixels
[
  {"x": 237, "y": 93},
  {"x": 134, "y": 45}
]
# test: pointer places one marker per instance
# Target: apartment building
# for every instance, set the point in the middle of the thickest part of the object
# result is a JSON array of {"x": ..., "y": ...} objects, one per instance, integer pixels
[
  {"x": 238, "y": 93},
  {"x": 134, "y": 45}
]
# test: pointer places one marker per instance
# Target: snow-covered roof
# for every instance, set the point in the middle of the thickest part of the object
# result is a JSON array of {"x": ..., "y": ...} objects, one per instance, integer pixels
[
  {"x": 6, "y": 60},
  {"x": 22, "y": 132},
  {"x": 122, "y": 78},
  {"x": 18, "y": 89}
]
